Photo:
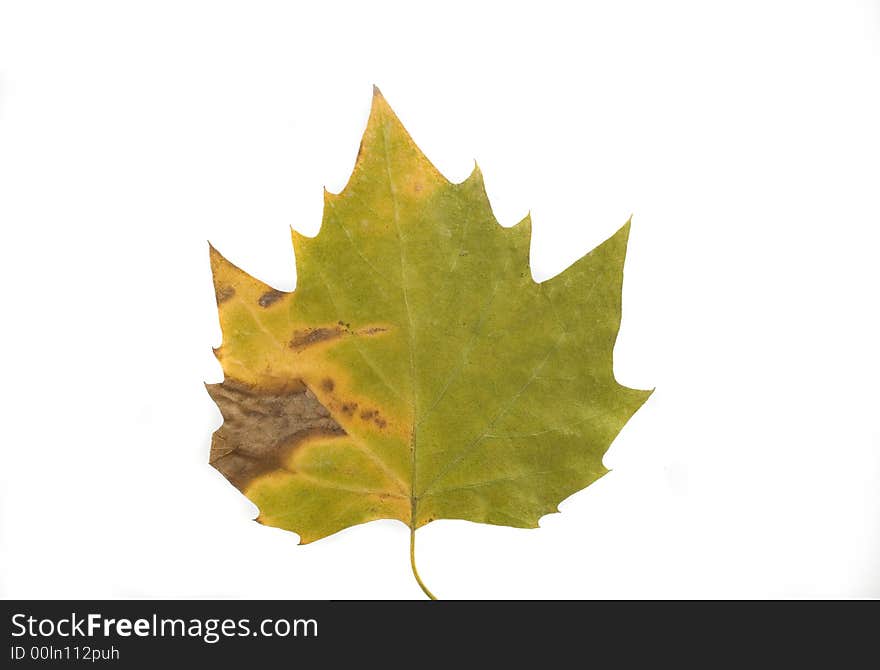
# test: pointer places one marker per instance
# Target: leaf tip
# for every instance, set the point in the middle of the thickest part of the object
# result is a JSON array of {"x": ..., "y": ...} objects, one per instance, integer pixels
[
  {"x": 523, "y": 229},
  {"x": 619, "y": 241},
  {"x": 298, "y": 239},
  {"x": 218, "y": 263},
  {"x": 380, "y": 107},
  {"x": 475, "y": 180}
]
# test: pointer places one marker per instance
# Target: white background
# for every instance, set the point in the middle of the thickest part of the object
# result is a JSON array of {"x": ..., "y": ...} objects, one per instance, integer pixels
[{"x": 745, "y": 140}]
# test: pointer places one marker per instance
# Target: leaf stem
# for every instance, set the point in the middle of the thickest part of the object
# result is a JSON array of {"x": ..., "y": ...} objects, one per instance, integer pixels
[{"x": 412, "y": 562}]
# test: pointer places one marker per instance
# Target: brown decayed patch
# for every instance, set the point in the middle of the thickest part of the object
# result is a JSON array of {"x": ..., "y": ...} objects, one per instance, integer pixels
[
  {"x": 348, "y": 408},
  {"x": 328, "y": 385},
  {"x": 270, "y": 298},
  {"x": 368, "y": 414},
  {"x": 307, "y": 337},
  {"x": 260, "y": 430},
  {"x": 302, "y": 339},
  {"x": 223, "y": 293}
]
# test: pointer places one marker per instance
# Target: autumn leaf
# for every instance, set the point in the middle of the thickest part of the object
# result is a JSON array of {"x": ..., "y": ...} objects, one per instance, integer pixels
[{"x": 417, "y": 372}]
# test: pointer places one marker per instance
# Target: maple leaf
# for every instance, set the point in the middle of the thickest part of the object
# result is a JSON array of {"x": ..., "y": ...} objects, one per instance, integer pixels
[{"x": 417, "y": 372}]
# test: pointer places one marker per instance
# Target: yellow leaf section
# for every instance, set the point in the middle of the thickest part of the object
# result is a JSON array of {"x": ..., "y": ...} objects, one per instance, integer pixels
[{"x": 329, "y": 483}]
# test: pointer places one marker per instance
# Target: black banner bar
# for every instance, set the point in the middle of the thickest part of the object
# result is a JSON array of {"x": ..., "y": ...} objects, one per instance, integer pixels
[{"x": 149, "y": 633}]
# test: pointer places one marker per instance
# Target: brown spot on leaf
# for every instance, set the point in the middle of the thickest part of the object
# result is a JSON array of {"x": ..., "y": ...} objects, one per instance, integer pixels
[
  {"x": 270, "y": 298},
  {"x": 260, "y": 430},
  {"x": 373, "y": 415},
  {"x": 328, "y": 385},
  {"x": 302, "y": 339},
  {"x": 223, "y": 293},
  {"x": 348, "y": 408}
]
